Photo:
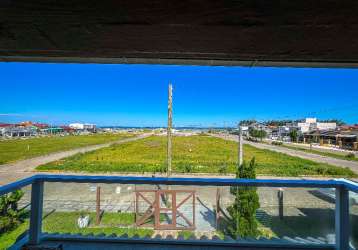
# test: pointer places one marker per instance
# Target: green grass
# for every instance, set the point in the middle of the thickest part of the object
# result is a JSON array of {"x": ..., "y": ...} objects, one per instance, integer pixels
[
  {"x": 9, "y": 238},
  {"x": 323, "y": 153},
  {"x": 118, "y": 223},
  {"x": 19, "y": 149},
  {"x": 66, "y": 222},
  {"x": 194, "y": 154},
  {"x": 186, "y": 234}
]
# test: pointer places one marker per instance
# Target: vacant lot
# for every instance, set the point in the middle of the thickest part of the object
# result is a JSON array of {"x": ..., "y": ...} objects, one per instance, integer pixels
[
  {"x": 194, "y": 154},
  {"x": 20, "y": 149}
]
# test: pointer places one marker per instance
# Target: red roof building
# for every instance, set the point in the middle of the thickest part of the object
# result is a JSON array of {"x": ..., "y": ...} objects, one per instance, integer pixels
[{"x": 4, "y": 125}]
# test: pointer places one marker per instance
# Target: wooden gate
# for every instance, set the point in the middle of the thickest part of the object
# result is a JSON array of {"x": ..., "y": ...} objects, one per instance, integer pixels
[{"x": 161, "y": 209}]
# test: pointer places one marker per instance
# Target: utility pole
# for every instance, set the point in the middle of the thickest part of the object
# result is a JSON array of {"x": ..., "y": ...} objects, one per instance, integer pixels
[
  {"x": 169, "y": 130},
  {"x": 240, "y": 147}
]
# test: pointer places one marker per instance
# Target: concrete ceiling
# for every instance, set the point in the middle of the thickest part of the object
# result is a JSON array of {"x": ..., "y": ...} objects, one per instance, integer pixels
[{"x": 204, "y": 32}]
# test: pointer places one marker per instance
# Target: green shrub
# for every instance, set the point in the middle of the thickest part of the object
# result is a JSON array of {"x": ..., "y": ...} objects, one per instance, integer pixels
[
  {"x": 223, "y": 169},
  {"x": 252, "y": 139},
  {"x": 186, "y": 234},
  {"x": 188, "y": 169},
  {"x": 277, "y": 143},
  {"x": 243, "y": 221},
  {"x": 350, "y": 156},
  {"x": 10, "y": 215}
]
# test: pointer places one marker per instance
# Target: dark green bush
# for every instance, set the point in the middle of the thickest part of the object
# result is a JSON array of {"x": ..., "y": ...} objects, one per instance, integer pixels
[
  {"x": 243, "y": 221},
  {"x": 223, "y": 169},
  {"x": 350, "y": 156},
  {"x": 10, "y": 215},
  {"x": 188, "y": 169},
  {"x": 277, "y": 143}
]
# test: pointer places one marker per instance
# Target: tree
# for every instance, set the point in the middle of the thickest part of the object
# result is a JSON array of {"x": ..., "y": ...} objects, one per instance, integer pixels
[
  {"x": 247, "y": 122},
  {"x": 257, "y": 133},
  {"x": 243, "y": 212},
  {"x": 337, "y": 121},
  {"x": 10, "y": 214},
  {"x": 293, "y": 135}
]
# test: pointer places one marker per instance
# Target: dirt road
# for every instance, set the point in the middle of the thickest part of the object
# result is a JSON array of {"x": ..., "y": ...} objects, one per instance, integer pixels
[{"x": 24, "y": 168}]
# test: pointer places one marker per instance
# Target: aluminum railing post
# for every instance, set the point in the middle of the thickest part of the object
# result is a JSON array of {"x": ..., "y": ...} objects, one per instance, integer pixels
[
  {"x": 342, "y": 218},
  {"x": 36, "y": 213}
]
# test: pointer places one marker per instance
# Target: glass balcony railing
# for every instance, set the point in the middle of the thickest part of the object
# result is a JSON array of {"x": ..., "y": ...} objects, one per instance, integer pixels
[{"x": 229, "y": 212}]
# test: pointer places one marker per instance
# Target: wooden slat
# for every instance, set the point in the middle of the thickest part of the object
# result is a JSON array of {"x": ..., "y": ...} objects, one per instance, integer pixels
[{"x": 250, "y": 30}]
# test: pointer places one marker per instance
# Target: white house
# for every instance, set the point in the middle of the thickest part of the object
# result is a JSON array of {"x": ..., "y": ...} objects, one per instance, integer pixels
[
  {"x": 326, "y": 125},
  {"x": 82, "y": 126},
  {"x": 79, "y": 126},
  {"x": 312, "y": 124}
]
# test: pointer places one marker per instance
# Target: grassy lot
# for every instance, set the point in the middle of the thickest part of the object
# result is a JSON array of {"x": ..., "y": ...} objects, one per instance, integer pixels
[
  {"x": 194, "y": 154},
  {"x": 66, "y": 222},
  {"x": 12, "y": 150},
  {"x": 323, "y": 153}
]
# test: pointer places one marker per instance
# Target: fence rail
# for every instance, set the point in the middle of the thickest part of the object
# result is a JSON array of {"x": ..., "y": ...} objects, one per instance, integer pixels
[{"x": 341, "y": 186}]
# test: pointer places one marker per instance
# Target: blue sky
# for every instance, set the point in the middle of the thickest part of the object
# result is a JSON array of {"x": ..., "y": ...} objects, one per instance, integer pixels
[{"x": 136, "y": 95}]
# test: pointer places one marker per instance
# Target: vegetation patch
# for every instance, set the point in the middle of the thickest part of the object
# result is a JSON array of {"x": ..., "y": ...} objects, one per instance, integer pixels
[
  {"x": 191, "y": 154},
  {"x": 349, "y": 156},
  {"x": 66, "y": 222},
  {"x": 111, "y": 223},
  {"x": 19, "y": 149},
  {"x": 8, "y": 238},
  {"x": 12, "y": 218}
]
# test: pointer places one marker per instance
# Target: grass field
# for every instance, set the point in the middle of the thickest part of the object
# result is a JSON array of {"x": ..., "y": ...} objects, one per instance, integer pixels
[
  {"x": 194, "y": 154},
  {"x": 12, "y": 150}
]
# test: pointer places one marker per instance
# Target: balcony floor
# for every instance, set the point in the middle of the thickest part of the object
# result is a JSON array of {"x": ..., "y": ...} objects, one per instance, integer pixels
[{"x": 71, "y": 245}]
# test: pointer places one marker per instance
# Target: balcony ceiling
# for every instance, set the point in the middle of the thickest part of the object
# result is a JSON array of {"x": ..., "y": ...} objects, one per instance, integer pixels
[{"x": 203, "y": 32}]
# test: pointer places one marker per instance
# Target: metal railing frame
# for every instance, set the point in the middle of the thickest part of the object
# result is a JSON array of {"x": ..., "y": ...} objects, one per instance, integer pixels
[{"x": 341, "y": 186}]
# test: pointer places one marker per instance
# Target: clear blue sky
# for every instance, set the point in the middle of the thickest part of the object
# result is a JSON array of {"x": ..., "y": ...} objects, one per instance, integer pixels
[{"x": 136, "y": 95}]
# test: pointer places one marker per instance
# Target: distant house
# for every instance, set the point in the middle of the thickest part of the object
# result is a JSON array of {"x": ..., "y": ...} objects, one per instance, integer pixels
[
  {"x": 19, "y": 131},
  {"x": 83, "y": 126},
  {"x": 284, "y": 133},
  {"x": 68, "y": 129},
  {"x": 4, "y": 127},
  {"x": 77, "y": 126},
  {"x": 41, "y": 125},
  {"x": 259, "y": 126},
  {"x": 311, "y": 124},
  {"x": 347, "y": 139},
  {"x": 52, "y": 130}
]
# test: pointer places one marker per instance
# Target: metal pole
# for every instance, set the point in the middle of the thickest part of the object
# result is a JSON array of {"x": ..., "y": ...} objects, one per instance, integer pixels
[
  {"x": 98, "y": 205},
  {"x": 36, "y": 213},
  {"x": 169, "y": 130},
  {"x": 342, "y": 218},
  {"x": 280, "y": 203},
  {"x": 240, "y": 147}
]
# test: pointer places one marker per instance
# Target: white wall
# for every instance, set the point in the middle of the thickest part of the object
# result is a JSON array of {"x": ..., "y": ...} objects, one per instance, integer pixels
[{"x": 326, "y": 125}]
